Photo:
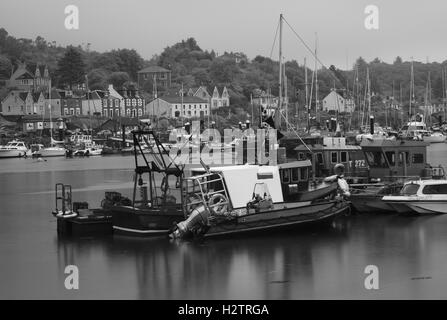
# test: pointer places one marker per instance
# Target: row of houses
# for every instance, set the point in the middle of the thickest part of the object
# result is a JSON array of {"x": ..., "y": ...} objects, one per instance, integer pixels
[
  {"x": 30, "y": 94},
  {"x": 109, "y": 103}
]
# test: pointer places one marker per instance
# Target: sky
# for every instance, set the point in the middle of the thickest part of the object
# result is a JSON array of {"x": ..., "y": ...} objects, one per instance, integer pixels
[{"x": 408, "y": 30}]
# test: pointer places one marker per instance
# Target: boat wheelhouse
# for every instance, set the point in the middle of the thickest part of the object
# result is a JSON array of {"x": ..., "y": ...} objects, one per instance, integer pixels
[
  {"x": 327, "y": 152},
  {"x": 391, "y": 159}
]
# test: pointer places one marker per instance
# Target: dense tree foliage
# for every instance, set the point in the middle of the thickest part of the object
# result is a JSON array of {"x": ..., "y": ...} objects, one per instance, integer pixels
[
  {"x": 192, "y": 66},
  {"x": 71, "y": 68}
]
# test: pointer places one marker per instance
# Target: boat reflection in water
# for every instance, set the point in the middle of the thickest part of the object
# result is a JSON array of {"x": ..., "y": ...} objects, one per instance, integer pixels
[{"x": 316, "y": 263}]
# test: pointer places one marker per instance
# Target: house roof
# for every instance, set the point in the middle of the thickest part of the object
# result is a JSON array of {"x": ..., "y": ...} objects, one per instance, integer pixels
[
  {"x": 186, "y": 99},
  {"x": 54, "y": 94},
  {"x": 36, "y": 96},
  {"x": 32, "y": 67},
  {"x": 23, "y": 95},
  {"x": 27, "y": 71},
  {"x": 153, "y": 69},
  {"x": 94, "y": 95}
]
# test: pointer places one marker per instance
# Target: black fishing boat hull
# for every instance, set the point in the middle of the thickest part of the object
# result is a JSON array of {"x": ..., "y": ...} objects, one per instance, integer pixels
[
  {"x": 281, "y": 219},
  {"x": 145, "y": 222}
]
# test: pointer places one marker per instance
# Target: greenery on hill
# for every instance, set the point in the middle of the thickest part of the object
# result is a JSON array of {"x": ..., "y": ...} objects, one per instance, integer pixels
[{"x": 192, "y": 66}]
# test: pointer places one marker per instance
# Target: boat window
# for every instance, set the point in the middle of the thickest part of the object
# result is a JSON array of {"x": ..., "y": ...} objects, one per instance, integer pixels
[
  {"x": 320, "y": 158},
  {"x": 404, "y": 156},
  {"x": 409, "y": 189},
  {"x": 285, "y": 176},
  {"x": 295, "y": 174},
  {"x": 391, "y": 157},
  {"x": 304, "y": 174},
  {"x": 334, "y": 157},
  {"x": 435, "y": 189},
  {"x": 418, "y": 158},
  {"x": 376, "y": 159},
  {"x": 343, "y": 156}
]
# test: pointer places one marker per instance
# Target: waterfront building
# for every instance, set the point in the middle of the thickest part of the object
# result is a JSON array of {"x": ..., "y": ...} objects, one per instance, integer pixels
[
  {"x": 161, "y": 75},
  {"x": 178, "y": 107},
  {"x": 336, "y": 103}
]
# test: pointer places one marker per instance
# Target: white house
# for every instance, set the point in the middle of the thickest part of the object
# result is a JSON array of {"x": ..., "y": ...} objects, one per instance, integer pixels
[
  {"x": 335, "y": 102},
  {"x": 220, "y": 98},
  {"x": 176, "y": 107}
]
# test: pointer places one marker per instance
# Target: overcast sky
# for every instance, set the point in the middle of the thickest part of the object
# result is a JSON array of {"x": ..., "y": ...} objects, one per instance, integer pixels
[{"x": 417, "y": 29}]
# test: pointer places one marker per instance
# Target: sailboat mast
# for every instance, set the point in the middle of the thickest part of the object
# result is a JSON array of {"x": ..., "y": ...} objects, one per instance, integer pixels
[
  {"x": 369, "y": 92},
  {"x": 411, "y": 87},
  {"x": 306, "y": 90},
  {"x": 317, "y": 117},
  {"x": 49, "y": 109},
  {"x": 280, "y": 69}
]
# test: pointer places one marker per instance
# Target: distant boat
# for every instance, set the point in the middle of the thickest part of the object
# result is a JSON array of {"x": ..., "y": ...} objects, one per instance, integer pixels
[
  {"x": 39, "y": 151},
  {"x": 13, "y": 149}
]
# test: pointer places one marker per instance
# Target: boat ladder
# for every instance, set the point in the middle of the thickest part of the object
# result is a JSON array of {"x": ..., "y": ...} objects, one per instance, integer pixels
[{"x": 64, "y": 203}]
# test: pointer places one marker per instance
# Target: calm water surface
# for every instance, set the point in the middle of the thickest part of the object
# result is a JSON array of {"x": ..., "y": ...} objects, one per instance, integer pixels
[{"x": 324, "y": 263}]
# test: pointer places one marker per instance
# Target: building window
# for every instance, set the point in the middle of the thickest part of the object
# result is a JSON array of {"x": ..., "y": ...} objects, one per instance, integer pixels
[
  {"x": 295, "y": 175},
  {"x": 140, "y": 112},
  {"x": 72, "y": 111},
  {"x": 304, "y": 174},
  {"x": 334, "y": 157},
  {"x": 418, "y": 158},
  {"x": 128, "y": 112},
  {"x": 78, "y": 111},
  {"x": 286, "y": 176},
  {"x": 104, "y": 112},
  {"x": 343, "y": 156},
  {"x": 66, "y": 112}
]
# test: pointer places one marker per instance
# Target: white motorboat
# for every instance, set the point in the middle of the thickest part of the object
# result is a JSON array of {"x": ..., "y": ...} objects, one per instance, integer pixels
[
  {"x": 39, "y": 151},
  {"x": 420, "y": 196},
  {"x": 90, "y": 149},
  {"x": 417, "y": 129},
  {"x": 13, "y": 149},
  {"x": 435, "y": 137}
]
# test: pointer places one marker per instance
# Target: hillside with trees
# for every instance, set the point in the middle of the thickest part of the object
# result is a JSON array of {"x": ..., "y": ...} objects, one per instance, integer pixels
[{"x": 192, "y": 66}]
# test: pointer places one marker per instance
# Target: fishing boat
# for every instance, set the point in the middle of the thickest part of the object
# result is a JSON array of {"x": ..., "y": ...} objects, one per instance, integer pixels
[
  {"x": 391, "y": 163},
  {"x": 420, "y": 196},
  {"x": 246, "y": 198},
  {"x": 155, "y": 206},
  {"x": 156, "y": 203},
  {"x": 13, "y": 149}
]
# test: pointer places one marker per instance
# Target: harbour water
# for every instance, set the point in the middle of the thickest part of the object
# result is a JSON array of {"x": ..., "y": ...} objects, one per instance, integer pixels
[{"x": 323, "y": 263}]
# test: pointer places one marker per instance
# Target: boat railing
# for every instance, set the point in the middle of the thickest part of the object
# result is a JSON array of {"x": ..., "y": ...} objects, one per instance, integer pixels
[{"x": 201, "y": 190}]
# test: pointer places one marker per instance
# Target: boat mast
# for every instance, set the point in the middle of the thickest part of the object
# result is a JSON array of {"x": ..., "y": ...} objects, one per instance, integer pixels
[
  {"x": 411, "y": 88},
  {"x": 307, "y": 95},
  {"x": 49, "y": 109},
  {"x": 280, "y": 70},
  {"x": 317, "y": 117}
]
